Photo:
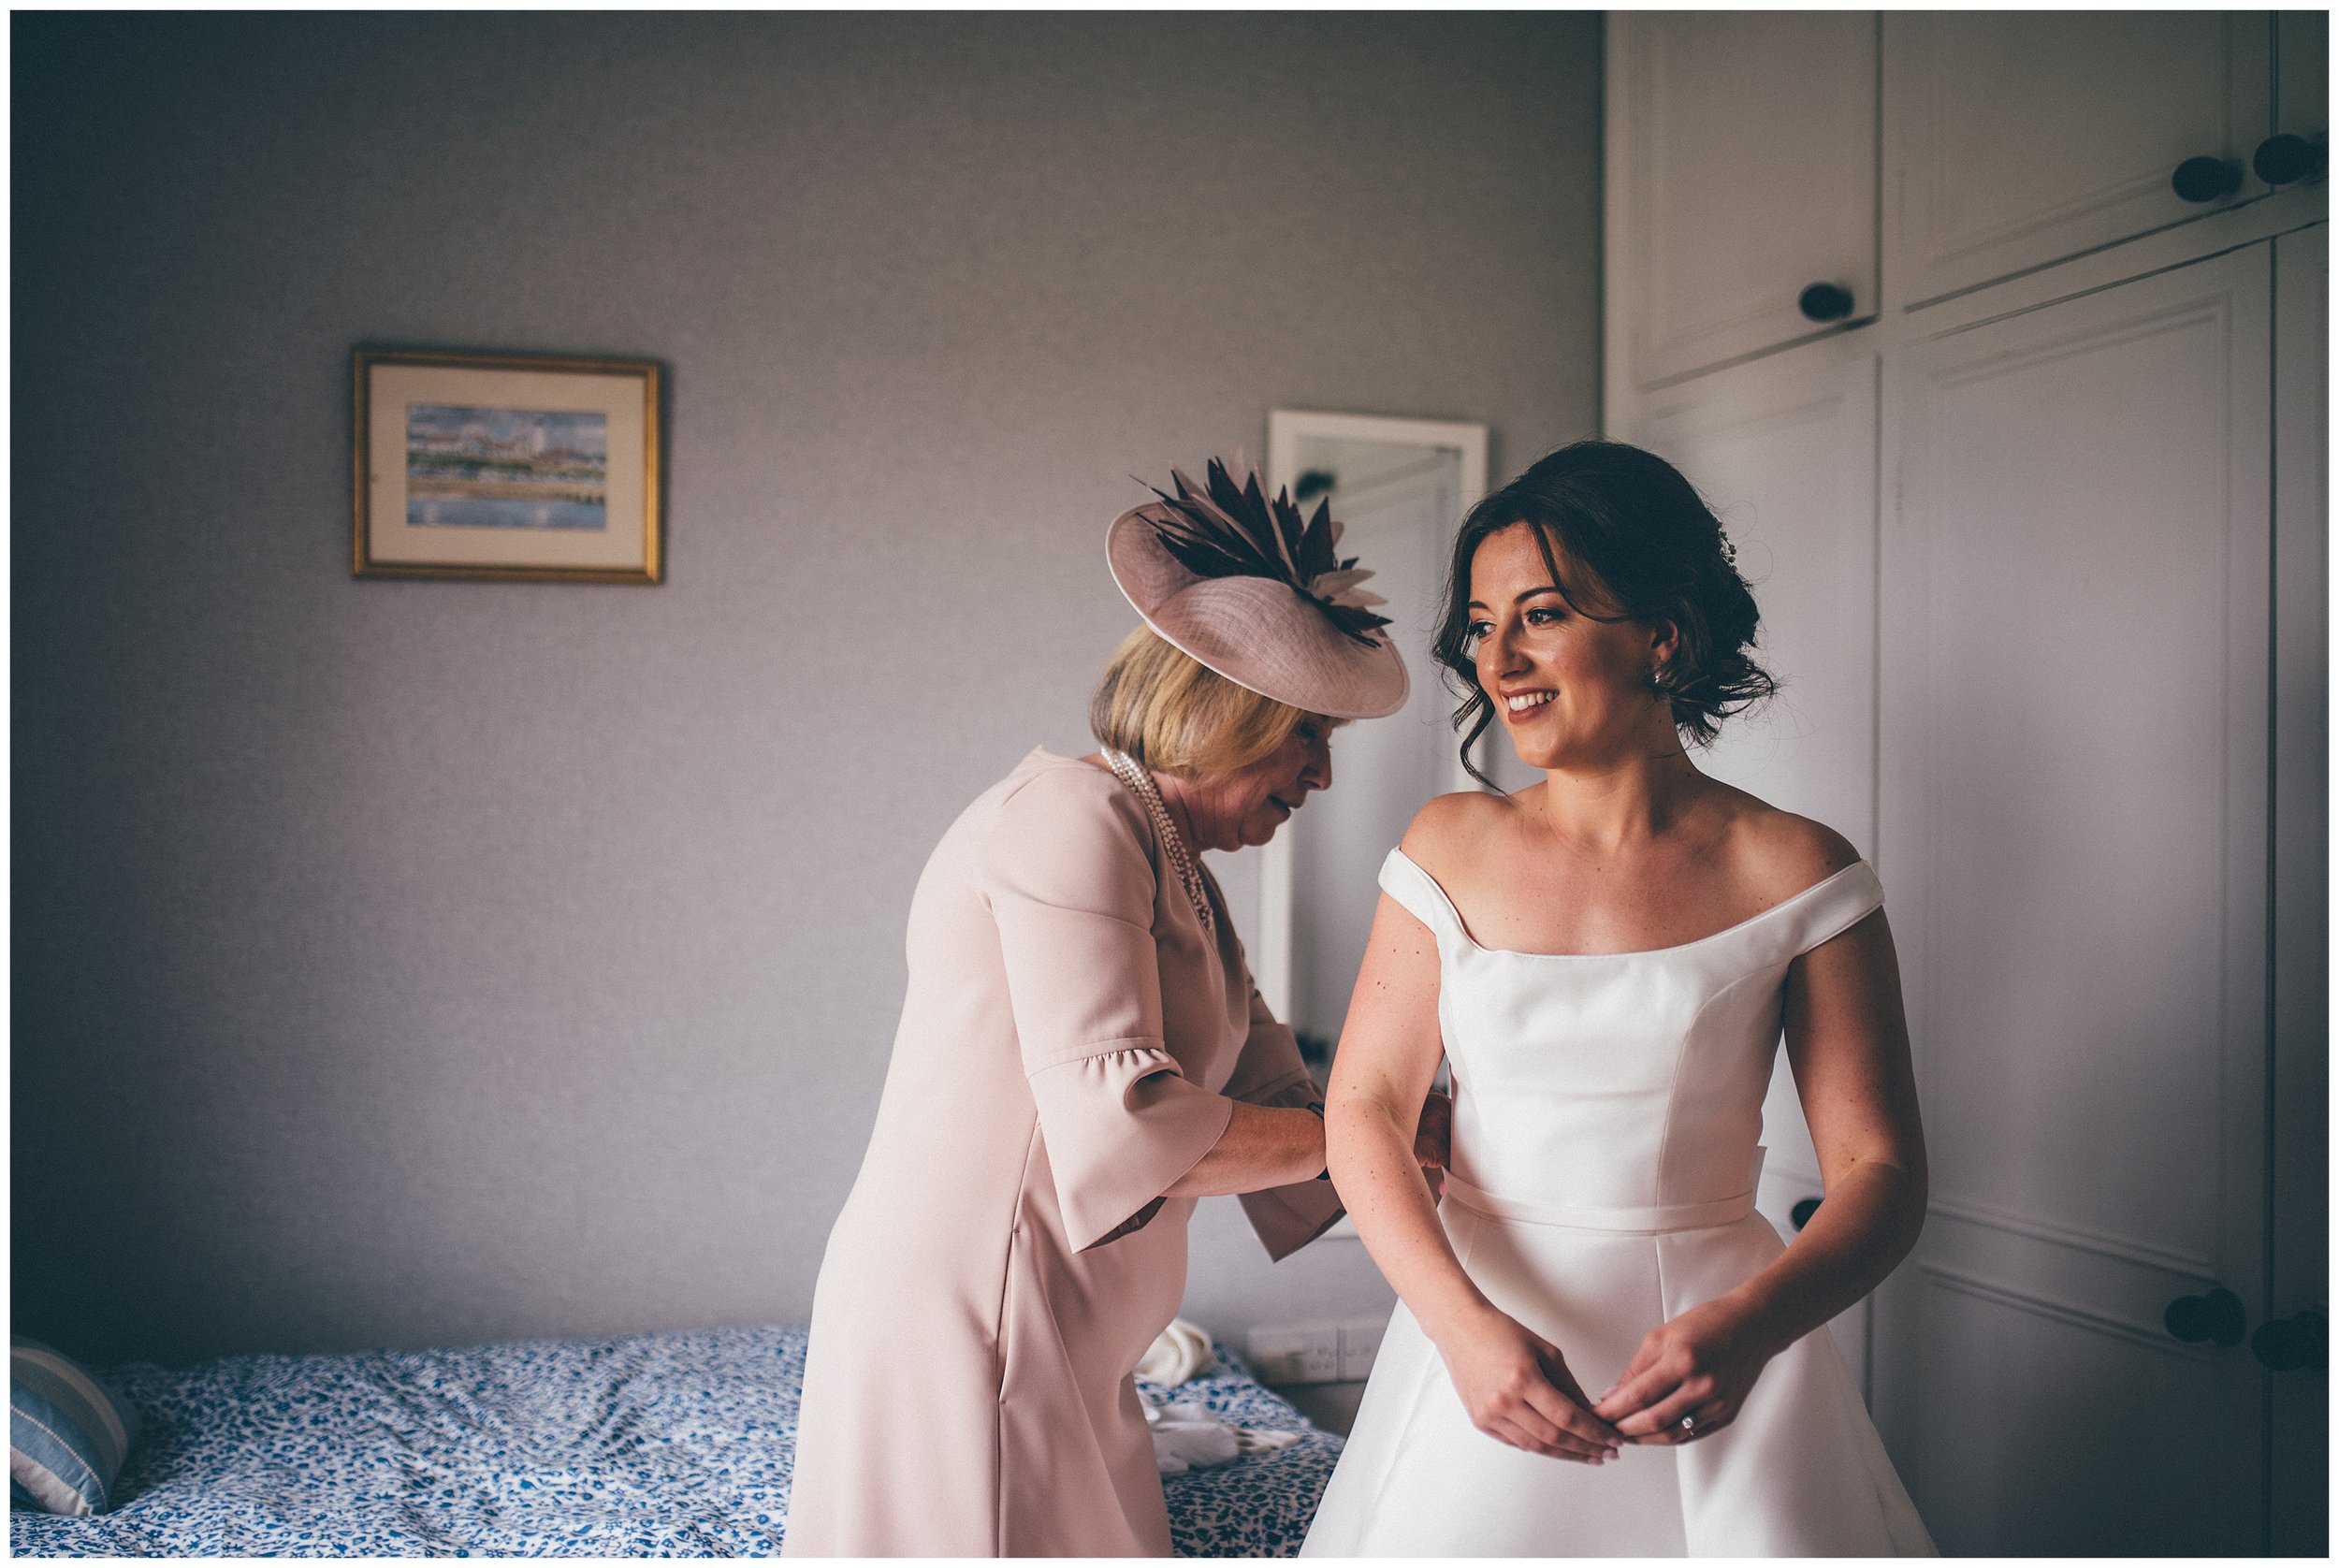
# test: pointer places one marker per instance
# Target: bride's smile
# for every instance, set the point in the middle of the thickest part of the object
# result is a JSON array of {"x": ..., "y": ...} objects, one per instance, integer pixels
[{"x": 1571, "y": 679}]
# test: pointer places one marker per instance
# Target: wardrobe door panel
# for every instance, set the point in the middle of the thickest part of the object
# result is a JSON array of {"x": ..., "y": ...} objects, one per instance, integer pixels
[
  {"x": 2073, "y": 828},
  {"x": 2014, "y": 138},
  {"x": 1784, "y": 451},
  {"x": 1730, "y": 196}
]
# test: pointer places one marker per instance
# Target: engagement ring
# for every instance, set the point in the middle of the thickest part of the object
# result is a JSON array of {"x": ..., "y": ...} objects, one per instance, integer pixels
[{"x": 1689, "y": 1423}]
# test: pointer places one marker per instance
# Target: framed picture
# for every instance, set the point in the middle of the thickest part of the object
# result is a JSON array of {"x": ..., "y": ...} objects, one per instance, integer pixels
[{"x": 505, "y": 465}]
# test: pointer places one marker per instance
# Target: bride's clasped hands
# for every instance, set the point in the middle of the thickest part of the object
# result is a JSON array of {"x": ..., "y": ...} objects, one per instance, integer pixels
[
  {"x": 1515, "y": 1385},
  {"x": 1697, "y": 1368}
]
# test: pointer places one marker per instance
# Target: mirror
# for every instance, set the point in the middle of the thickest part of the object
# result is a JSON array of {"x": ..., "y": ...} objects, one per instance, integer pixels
[{"x": 1399, "y": 486}]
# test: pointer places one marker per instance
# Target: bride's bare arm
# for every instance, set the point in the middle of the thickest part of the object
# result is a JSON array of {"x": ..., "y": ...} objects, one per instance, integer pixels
[
  {"x": 1515, "y": 1385},
  {"x": 1388, "y": 1054},
  {"x": 1848, "y": 1042}
]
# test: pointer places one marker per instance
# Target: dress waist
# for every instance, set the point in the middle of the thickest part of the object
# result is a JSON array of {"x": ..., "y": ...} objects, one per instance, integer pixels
[{"x": 1652, "y": 1219}]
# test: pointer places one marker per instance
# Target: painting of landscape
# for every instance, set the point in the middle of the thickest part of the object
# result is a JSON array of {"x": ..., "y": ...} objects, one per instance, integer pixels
[{"x": 506, "y": 468}]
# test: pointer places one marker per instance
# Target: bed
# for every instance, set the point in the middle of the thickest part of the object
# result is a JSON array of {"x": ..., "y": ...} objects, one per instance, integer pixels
[{"x": 656, "y": 1444}]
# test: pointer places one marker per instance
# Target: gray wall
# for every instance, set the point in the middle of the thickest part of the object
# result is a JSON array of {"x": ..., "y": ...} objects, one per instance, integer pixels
[{"x": 406, "y": 964}]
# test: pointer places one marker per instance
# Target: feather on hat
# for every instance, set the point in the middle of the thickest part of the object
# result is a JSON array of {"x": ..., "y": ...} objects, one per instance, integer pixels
[
  {"x": 1252, "y": 590},
  {"x": 1226, "y": 531}
]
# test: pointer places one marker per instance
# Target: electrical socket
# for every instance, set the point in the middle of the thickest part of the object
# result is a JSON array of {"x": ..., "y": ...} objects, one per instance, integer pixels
[
  {"x": 1360, "y": 1342},
  {"x": 1295, "y": 1352},
  {"x": 1289, "y": 1353}
]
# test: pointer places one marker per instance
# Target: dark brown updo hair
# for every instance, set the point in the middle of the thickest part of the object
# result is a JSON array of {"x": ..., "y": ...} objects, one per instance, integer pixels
[{"x": 1652, "y": 550}]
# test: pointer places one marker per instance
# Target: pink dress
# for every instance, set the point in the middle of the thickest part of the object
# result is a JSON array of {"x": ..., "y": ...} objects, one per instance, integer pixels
[{"x": 1071, "y": 1043}]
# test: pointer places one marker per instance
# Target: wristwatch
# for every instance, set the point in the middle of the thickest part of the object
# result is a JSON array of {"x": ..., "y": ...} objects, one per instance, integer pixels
[{"x": 1318, "y": 1107}]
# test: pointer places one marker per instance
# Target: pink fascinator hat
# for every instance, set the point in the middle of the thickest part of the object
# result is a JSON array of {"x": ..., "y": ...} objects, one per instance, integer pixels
[{"x": 1245, "y": 588}]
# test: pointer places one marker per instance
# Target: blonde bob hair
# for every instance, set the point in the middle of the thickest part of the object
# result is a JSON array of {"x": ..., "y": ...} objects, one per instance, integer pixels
[{"x": 1177, "y": 716}]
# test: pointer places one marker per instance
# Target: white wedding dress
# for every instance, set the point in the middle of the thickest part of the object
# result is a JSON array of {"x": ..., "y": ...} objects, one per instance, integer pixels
[{"x": 1606, "y": 1110}]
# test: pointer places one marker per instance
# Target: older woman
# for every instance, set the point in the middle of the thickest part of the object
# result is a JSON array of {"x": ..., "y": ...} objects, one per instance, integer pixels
[{"x": 1082, "y": 1054}]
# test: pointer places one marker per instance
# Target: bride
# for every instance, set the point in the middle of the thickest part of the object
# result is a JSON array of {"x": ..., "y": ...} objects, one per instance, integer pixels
[{"x": 1601, "y": 1349}]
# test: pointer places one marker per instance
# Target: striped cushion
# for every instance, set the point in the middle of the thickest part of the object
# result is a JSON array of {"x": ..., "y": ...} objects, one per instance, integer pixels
[{"x": 67, "y": 1434}]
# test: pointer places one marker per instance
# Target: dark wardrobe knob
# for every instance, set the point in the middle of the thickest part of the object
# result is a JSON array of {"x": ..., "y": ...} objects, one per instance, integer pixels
[
  {"x": 1801, "y": 1213},
  {"x": 2205, "y": 178},
  {"x": 2284, "y": 159},
  {"x": 1826, "y": 302},
  {"x": 2216, "y": 1317},
  {"x": 2291, "y": 1342}
]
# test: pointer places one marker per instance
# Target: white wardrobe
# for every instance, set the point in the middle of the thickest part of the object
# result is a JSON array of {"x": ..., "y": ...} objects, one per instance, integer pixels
[{"x": 1999, "y": 340}]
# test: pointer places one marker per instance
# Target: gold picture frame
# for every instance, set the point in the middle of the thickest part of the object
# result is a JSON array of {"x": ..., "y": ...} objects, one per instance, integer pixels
[{"x": 529, "y": 466}]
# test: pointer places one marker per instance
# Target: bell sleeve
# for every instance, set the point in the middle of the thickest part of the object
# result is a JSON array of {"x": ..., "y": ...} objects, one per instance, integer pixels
[
  {"x": 1071, "y": 888},
  {"x": 1269, "y": 1072}
]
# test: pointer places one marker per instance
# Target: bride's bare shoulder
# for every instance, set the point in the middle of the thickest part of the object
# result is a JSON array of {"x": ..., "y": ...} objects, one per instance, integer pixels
[
  {"x": 1782, "y": 854},
  {"x": 1457, "y": 828}
]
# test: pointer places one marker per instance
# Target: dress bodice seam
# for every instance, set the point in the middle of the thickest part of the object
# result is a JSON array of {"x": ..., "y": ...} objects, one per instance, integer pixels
[{"x": 1673, "y": 1084}]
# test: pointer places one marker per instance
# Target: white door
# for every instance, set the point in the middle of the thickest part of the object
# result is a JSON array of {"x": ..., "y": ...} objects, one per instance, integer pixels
[
  {"x": 1741, "y": 171},
  {"x": 2073, "y": 831},
  {"x": 1784, "y": 450},
  {"x": 2014, "y": 138}
]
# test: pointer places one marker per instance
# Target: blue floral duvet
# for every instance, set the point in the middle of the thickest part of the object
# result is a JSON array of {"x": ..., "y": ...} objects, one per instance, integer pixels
[{"x": 657, "y": 1444}]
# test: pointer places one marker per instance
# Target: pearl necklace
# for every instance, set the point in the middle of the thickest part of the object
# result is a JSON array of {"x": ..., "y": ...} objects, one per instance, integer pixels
[{"x": 1132, "y": 773}]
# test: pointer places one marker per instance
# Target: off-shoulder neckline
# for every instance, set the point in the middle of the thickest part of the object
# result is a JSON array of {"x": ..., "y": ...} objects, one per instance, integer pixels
[{"x": 1462, "y": 928}]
